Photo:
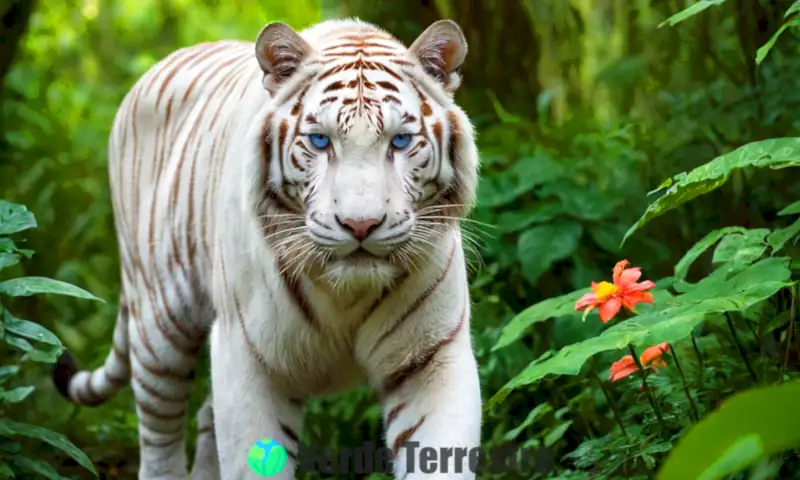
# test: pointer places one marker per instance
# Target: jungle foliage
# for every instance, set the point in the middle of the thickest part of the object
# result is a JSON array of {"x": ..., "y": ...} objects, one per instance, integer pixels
[{"x": 661, "y": 132}]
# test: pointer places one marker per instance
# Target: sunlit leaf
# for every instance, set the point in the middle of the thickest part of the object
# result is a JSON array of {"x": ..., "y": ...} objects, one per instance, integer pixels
[
  {"x": 773, "y": 153},
  {"x": 747, "y": 427},
  {"x": 690, "y": 11},
  {"x": 27, "y": 286},
  {"x": 741, "y": 248},
  {"x": 779, "y": 237},
  {"x": 11, "y": 428},
  {"x": 791, "y": 209},
  {"x": 15, "y": 218}
]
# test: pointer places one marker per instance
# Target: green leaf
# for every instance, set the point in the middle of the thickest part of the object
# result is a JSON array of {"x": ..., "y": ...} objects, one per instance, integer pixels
[
  {"x": 541, "y": 246},
  {"x": 29, "y": 330},
  {"x": 7, "y": 372},
  {"x": 741, "y": 248},
  {"x": 514, "y": 221},
  {"x": 16, "y": 395},
  {"x": 5, "y": 470},
  {"x": 533, "y": 415},
  {"x": 716, "y": 293},
  {"x": 8, "y": 259},
  {"x": 791, "y": 209},
  {"x": 747, "y": 427},
  {"x": 27, "y": 286},
  {"x": 556, "y": 434},
  {"x": 773, "y": 153},
  {"x": 778, "y": 238},
  {"x": 15, "y": 218},
  {"x": 539, "y": 312},
  {"x": 11, "y": 428},
  {"x": 39, "y": 467},
  {"x": 690, "y": 11},
  {"x": 521, "y": 178},
  {"x": 18, "y": 343},
  {"x": 762, "y": 52},
  {"x": 46, "y": 353},
  {"x": 682, "y": 267}
]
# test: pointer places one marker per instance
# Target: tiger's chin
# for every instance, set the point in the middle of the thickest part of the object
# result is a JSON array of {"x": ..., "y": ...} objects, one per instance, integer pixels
[{"x": 361, "y": 271}]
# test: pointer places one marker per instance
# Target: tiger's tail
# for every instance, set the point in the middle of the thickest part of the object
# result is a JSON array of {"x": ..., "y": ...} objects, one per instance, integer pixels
[{"x": 95, "y": 387}]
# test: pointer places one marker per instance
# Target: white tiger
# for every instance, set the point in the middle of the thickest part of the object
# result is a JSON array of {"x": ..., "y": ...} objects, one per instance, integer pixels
[{"x": 306, "y": 201}]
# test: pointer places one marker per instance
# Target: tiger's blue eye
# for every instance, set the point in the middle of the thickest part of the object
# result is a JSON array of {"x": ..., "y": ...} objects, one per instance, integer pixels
[
  {"x": 401, "y": 141},
  {"x": 320, "y": 141}
]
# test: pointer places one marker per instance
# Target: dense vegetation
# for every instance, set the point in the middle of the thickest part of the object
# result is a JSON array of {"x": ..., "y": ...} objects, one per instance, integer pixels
[{"x": 609, "y": 130}]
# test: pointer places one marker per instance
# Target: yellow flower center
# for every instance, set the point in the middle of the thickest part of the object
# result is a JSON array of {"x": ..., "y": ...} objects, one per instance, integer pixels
[{"x": 605, "y": 290}]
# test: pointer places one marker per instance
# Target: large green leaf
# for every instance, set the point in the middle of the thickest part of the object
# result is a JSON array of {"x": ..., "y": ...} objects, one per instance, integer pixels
[
  {"x": 514, "y": 221},
  {"x": 15, "y": 218},
  {"x": 27, "y": 286},
  {"x": 747, "y": 427},
  {"x": 29, "y": 330},
  {"x": 11, "y": 428},
  {"x": 674, "y": 321},
  {"x": 541, "y": 246},
  {"x": 7, "y": 372},
  {"x": 778, "y": 238},
  {"x": 8, "y": 259},
  {"x": 544, "y": 310},
  {"x": 773, "y": 153},
  {"x": 690, "y": 11},
  {"x": 682, "y": 267},
  {"x": 741, "y": 248}
]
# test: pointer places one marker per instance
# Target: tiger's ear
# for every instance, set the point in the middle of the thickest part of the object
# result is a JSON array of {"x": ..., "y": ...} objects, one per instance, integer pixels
[
  {"x": 441, "y": 49},
  {"x": 279, "y": 51}
]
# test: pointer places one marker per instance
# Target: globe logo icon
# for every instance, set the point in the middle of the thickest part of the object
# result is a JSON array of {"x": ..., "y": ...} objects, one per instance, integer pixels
[{"x": 266, "y": 457}]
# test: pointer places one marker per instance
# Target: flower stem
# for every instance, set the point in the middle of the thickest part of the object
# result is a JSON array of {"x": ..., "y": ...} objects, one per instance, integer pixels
[
  {"x": 650, "y": 396},
  {"x": 611, "y": 403},
  {"x": 695, "y": 413},
  {"x": 699, "y": 359},
  {"x": 739, "y": 347}
]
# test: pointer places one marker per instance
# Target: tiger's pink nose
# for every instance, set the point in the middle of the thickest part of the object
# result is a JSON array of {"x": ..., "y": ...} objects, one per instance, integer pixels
[{"x": 361, "y": 227}]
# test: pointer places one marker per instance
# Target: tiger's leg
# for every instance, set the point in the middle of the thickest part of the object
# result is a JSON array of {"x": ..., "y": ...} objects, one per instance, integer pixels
[
  {"x": 206, "y": 458},
  {"x": 163, "y": 355},
  {"x": 246, "y": 406}
]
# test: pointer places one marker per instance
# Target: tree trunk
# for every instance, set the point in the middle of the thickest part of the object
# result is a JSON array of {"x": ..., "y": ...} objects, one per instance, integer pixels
[{"x": 16, "y": 17}]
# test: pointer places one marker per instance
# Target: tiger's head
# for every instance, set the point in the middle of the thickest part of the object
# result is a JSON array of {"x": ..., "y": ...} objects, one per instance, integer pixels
[{"x": 367, "y": 159}]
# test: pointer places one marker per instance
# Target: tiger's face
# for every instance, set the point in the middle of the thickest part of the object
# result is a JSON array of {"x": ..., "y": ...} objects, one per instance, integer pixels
[{"x": 369, "y": 158}]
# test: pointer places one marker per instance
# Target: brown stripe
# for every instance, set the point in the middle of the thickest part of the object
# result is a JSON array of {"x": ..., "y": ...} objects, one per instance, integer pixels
[
  {"x": 405, "y": 436},
  {"x": 157, "y": 372},
  {"x": 205, "y": 430},
  {"x": 393, "y": 414},
  {"x": 164, "y": 397},
  {"x": 289, "y": 432},
  {"x": 417, "y": 304},
  {"x": 153, "y": 412},
  {"x": 159, "y": 443},
  {"x": 295, "y": 290},
  {"x": 415, "y": 366}
]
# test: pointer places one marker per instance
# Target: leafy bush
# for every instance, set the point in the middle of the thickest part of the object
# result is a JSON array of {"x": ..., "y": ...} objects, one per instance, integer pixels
[{"x": 37, "y": 344}]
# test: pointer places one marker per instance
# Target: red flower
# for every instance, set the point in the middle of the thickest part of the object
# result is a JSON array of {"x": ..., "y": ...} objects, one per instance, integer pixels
[
  {"x": 651, "y": 357},
  {"x": 624, "y": 292}
]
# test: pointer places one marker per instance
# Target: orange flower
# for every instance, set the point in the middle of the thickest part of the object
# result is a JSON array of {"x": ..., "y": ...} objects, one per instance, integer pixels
[
  {"x": 651, "y": 357},
  {"x": 624, "y": 292}
]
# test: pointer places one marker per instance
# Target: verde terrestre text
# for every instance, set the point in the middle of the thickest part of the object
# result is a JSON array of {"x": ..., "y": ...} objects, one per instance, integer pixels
[{"x": 371, "y": 458}]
